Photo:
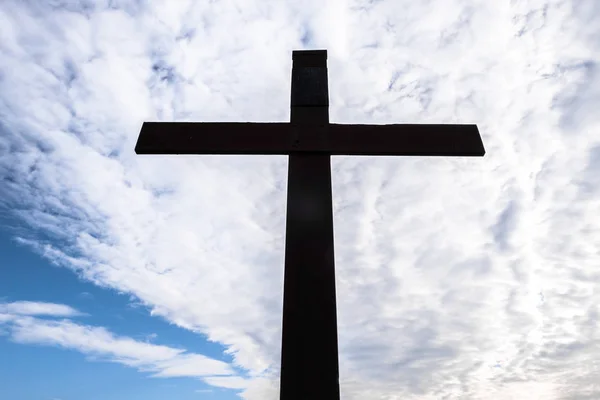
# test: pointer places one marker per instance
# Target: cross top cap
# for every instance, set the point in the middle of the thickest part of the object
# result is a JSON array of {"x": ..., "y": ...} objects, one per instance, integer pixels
[
  {"x": 309, "y": 58},
  {"x": 301, "y": 53}
]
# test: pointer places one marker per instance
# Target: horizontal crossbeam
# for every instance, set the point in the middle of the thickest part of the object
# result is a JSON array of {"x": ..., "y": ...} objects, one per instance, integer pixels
[{"x": 332, "y": 139}]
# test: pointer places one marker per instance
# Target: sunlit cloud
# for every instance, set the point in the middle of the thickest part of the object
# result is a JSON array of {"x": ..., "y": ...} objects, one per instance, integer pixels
[
  {"x": 98, "y": 342},
  {"x": 38, "y": 308},
  {"x": 456, "y": 278}
]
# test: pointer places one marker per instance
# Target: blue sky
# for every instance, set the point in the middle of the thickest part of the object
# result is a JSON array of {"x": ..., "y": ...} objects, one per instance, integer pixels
[
  {"x": 26, "y": 275},
  {"x": 125, "y": 276}
]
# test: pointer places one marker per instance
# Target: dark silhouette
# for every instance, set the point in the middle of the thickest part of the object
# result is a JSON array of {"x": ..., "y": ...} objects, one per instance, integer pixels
[{"x": 309, "y": 352}]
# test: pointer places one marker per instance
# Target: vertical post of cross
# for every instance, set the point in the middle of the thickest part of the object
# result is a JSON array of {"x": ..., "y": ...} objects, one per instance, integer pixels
[{"x": 309, "y": 350}]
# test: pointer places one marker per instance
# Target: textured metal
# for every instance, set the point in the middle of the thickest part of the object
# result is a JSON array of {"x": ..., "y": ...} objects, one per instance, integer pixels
[{"x": 309, "y": 353}]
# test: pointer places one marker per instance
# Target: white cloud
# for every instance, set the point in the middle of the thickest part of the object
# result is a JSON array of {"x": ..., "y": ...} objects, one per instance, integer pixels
[
  {"x": 231, "y": 382},
  {"x": 161, "y": 361},
  {"x": 4, "y": 319},
  {"x": 38, "y": 308},
  {"x": 457, "y": 278}
]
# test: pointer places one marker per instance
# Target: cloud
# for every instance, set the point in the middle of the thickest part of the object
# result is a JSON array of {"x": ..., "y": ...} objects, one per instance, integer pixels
[
  {"x": 101, "y": 344},
  {"x": 38, "y": 308},
  {"x": 456, "y": 278},
  {"x": 4, "y": 320},
  {"x": 231, "y": 382}
]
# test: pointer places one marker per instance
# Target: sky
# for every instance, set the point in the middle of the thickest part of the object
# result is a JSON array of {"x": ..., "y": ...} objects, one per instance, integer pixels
[{"x": 152, "y": 277}]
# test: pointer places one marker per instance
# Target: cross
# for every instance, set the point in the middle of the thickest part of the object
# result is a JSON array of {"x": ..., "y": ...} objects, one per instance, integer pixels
[{"x": 309, "y": 348}]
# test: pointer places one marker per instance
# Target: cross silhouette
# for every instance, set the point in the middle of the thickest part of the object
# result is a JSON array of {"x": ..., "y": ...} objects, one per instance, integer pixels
[{"x": 309, "y": 349}]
